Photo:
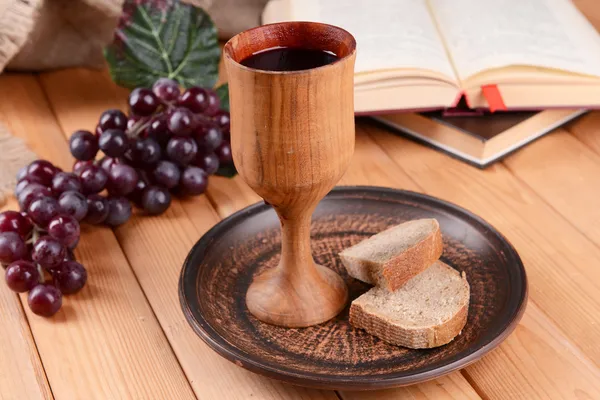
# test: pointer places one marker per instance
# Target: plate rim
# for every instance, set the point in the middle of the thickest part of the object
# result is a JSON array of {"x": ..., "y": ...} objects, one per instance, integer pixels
[{"x": 361, "y": 382}]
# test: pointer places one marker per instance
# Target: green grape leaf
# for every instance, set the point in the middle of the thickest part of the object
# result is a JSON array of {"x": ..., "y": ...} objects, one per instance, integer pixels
[
  {"x": 223, "y": 93},
  {"x": 163, "y": 38},
  {"x": 227, "y": 170}
]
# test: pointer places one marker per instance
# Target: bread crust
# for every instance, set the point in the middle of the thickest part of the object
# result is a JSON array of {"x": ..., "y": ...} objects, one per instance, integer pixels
[
  {"x": 413, "y": 261},
  {"x": 414, "y": 338},
  {"x": 397, "y": 271}
]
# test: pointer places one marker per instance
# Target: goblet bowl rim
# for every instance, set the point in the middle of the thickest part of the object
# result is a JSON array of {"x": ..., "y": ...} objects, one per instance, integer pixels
[{"x": 351, "y": 53}]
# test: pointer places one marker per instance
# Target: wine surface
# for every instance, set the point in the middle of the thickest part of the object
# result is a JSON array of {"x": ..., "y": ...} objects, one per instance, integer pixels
[{"x": 289, "y": 59}]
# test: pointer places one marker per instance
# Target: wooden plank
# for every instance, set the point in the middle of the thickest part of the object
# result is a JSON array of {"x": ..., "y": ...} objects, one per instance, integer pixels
[
  {"x": 590, "y": 9},
  {"x": 563, "y": 170},
  {"x": 451, "y": 386},
  {"x": 515, "y": 210},
  {"x": 156, "y": 248},
  {"x": 105, "y": 342},
  {"x": 22, "y": 375},
  {"x": 21, "y": 372},
  {"x": 536, "y": 362},
  {"x": 586, "y": 130}
]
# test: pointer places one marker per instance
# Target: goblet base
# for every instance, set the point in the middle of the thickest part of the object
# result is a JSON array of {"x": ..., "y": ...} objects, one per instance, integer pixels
[{"x": 296, "y": 300}]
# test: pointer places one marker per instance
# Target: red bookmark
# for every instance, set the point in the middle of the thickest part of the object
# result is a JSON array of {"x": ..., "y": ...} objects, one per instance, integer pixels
[{"x": 493, "y": 97}]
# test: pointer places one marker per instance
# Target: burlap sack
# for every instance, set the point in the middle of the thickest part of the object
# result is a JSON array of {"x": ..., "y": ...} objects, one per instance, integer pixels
[
  {"x": 14, "y": 155},
  {"x": 46, "y": 34}
]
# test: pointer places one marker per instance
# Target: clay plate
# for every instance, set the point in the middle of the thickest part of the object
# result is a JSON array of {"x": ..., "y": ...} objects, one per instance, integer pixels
[{"x": 334, "y": 355}]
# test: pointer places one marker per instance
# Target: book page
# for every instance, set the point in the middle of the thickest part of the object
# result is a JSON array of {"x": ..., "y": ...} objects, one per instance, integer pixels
[
  {"x": 390, "y": 34},
  {"x": 486, "y": 34}
]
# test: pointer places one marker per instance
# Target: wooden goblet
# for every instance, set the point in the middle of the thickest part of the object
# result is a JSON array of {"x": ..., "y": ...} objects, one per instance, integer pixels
[{"x": 292, "y": 137}]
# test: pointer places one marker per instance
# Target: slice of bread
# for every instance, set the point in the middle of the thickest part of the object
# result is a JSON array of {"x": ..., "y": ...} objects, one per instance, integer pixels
[
  {"x": 429, "y": 311},
  {"x": 392, "y": 257}
]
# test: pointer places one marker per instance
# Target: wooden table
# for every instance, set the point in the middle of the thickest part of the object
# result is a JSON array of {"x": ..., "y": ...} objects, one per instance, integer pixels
[{"x": 125, "y": 337}]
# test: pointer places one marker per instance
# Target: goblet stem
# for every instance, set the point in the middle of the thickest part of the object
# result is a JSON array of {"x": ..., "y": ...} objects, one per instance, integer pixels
[
  {"x": 295, "y": 244},
  {"x": 298, "y": 292}
]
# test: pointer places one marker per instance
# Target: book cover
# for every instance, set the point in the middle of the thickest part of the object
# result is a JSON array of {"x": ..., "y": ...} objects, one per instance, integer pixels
[{"x": 478, "y": 140}]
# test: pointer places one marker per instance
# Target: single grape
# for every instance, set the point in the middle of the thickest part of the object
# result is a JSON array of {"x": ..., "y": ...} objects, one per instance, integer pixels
[
  {"x": 119, "y": 211},
  {"x": 166, "y": 174},
  {"x": 79, "y": 165},
  {"x": 113, "y": 142},
  {"x": 194, "y": 99},
  {"x": 21, "y": 185},
  {"x": 113, "y": 119},
  {"x": 12, "y": 248},
  {"x": 181, "y": 122},
  {"x": 73, "y": 204},
  {"x": 22, "y": 173},
  {"x": 122, "y": 179},
  {"x": 65, "y": 229},
  {"x": 208, "y": 136},
  {"x": 44, "y": 300},
  {"x": 42, "y": 210},
  {"x": 13, "y": 221},
  {"x": 64, "y": 181},
  {"x": 141, "y": 185},
  {"x": 224, "y": 153},
  {"x": 193, "y": 181},
  {"x": 48, "y": 252},
  {"x": 41, "y": 171},
  {"x": 69, "y": 277},
  {"x": 93, "y": 179},
  {"x": 222, "y": 119},
  {"x": 83, "y": 145},
  {"x": 166, "y": 90},
  {"x": 209, "y": 162},
  {"x": 158, "y": 130},
  {"x": 21, "y": 276},
  {"x": 156, "y": 200},
  {"x": 32, "y": 192},
  {"x": 143, "y": 102},
  {"x": 182, "y": 150},
  {"x": 106, "y": 163},
  {"x": 97, "y": 209},
  {"x": 213, "y": 103},
  {"x": 146, "y": 151}
]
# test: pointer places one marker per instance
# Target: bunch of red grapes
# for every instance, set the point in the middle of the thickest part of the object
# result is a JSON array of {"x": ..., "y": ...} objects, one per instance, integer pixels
[{"x": 170, "y": 143}]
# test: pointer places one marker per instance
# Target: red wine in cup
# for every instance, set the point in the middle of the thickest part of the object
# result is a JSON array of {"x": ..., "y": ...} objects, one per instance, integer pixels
[{"x": 289, "y": 59}]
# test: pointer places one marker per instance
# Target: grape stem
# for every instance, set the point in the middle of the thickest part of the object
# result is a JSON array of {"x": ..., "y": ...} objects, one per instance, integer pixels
[
  {"x": 137, "y": 128},
  {"x": 142, "y": 124},
  {"x": 34, "y": 238}
]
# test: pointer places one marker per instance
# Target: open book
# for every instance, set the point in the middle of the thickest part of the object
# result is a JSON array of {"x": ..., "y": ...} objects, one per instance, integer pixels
[{"x": 429, "y": 54}]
